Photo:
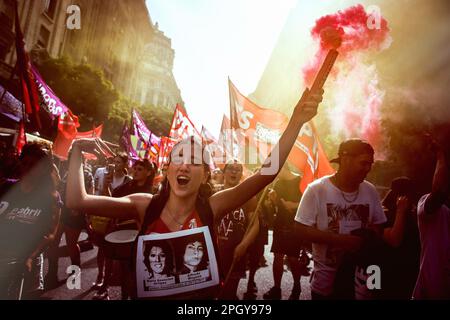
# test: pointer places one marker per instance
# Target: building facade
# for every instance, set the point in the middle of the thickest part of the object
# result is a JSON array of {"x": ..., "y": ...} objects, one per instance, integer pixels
[
  {"x": 118, "y": 37},
  {"x": 158, "y": 86}
]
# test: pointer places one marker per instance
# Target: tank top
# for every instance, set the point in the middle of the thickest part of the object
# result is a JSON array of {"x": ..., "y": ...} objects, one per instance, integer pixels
[{"x": 158, "y": 226}]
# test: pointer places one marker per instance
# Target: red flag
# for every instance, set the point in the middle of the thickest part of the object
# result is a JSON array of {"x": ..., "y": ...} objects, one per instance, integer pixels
[
  {"x": 263, "y": 127},
  {"x": 68, "y": 124},
  {"x": 62, "y": 142},
  {"x": 182, "y": 127},
  {"x": 21, "y": 138},
  {"x": 29, "y": 88},
  {"x": 308, "y": 156},
  {"x": 260, "y": 126},
  {"x": 165, "y": 149}
]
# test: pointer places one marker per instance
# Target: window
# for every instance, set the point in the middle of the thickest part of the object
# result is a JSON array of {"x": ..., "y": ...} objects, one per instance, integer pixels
[
  {"x": 50, "y": 7},
  {"x": 44, "y": 37}
]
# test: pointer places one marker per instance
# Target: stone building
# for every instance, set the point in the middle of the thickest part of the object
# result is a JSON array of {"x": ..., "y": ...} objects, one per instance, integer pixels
[
  {"x": 158, "y": 86},
  {"x": 112, "y": 37},
  {"x": 42, "y": 23},
  {"x": 117, "y": 37}
]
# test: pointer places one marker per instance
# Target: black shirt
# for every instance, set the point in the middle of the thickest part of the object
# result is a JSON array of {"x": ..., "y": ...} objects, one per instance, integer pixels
[
  {"x": 289, "y": 190},
  {"x": 25, "y": 218}
]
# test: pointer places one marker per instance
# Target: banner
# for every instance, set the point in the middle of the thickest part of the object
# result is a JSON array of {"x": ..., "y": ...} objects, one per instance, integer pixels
[
  {"x": 68, "y": 124},
  {"x": 62, "y": 143},
  {"x": 125, "y": 143},
  {"x": 175, "y": 262},
  {"x": 10, "y": 106},
  {"x": 263, "y": 128},
  {"x": 54, "y": 105},
  {"x": 216, "y": 151},
  {"x": 182, "y": 127},
  {"x": 145, "y": 143},
  {"x": 164, "y": 152},
  {"x": 29, "y": 90},
  {"x": 231, "y": 140}
]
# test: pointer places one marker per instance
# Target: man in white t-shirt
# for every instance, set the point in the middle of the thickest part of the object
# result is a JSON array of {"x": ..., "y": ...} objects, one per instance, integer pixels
[
  {"x": 334, "y": 206},
  {"x": 433, "y": 214}
]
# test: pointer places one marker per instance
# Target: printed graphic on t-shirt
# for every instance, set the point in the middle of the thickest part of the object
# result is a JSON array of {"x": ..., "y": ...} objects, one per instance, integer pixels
[
  {"x": 3, "y": 206},
  {"x": 232, "y": 225},
  {"x": 344, "y": 220},
  {"x": 20, "y": 214}
]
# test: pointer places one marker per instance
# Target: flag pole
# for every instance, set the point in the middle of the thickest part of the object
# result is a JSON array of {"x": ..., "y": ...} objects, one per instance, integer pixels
[{"x": 231, "y": 120}]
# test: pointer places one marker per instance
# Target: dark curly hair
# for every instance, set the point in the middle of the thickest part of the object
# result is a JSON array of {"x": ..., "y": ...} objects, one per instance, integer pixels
[
  {"x": 183, "y": 242},
  {"x": 168, "y": 269}
]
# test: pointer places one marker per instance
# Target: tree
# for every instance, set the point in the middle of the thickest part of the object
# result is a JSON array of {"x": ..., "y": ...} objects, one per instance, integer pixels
[
  {"x": 157, "y": 119},
  {"x": 83, "y": 88},
  {"x": 93, "y": 98}
]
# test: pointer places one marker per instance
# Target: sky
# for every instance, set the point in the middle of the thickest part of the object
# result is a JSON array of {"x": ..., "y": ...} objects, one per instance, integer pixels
[{"x": 214, "y": 40}]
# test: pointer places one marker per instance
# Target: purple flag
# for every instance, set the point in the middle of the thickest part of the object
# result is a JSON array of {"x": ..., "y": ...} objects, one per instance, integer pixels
[
  {"x": 54, "y": 106},
  {"x": 125, "y": 142},
  {"x": 151, "y": 142}
]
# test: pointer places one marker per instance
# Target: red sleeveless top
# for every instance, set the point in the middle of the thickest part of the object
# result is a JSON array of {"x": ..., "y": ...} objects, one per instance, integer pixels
[{"x": 192, "y": 221}]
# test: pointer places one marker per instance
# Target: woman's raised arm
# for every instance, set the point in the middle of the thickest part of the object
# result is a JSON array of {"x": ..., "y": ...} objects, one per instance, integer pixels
[
  {"x": 232, "y": 198},
  {"x": 129, "y": 207}
]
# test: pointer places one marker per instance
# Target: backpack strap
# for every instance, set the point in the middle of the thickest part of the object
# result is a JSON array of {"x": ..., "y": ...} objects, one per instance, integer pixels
[{"x": 152, "y": 213}]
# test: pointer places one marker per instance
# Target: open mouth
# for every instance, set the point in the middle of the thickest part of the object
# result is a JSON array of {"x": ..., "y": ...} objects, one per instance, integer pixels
[{"x": 183, "y": 180}]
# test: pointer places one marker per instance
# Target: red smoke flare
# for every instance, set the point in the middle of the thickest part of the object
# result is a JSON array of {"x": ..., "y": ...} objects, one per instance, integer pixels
[
  {"x": 350, "y": 27},
  {"x": 352, "y": 31}
]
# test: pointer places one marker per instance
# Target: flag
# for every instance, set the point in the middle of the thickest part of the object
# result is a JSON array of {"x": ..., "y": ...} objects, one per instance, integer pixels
[
  {"x": 260, "y": 127},
  {"x": 230, "y": 140},
  {"x": 68, "y": 124},
  {"x": 263, "y": 128},
  {"x": 55, "y": 107},
  {"x": 125, "y": 143},
  {"x": 145, "y": 143},
  {"x": 10, "y": 106},
  {"x": 182, "y": 127},
  {"x": 308, "y": 156},
  {"x": 21, "y": 138},
  {"x": 167, "y": 144},
  {"x": 29, "y": 88},
  {"x": 217, "y": 153},
  {"x": 62, "y": 142},
  {"x": 224, "y": 132}
]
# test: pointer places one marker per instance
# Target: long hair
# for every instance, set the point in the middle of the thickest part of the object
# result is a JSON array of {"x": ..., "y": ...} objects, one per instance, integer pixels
[
  {"x": 168, "y": 269},
  {"x": 205, "y": 190}
]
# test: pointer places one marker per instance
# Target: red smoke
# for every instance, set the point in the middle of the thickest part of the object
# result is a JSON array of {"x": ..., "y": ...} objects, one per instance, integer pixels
[
  {"x": 352, "y": 28},
  {"x": 352, "y": 31},
  {"x": 352, "y": 25}
]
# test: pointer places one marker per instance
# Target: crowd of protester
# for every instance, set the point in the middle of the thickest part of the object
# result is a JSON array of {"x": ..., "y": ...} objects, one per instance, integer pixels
[{"x": 339, "y": 222}]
